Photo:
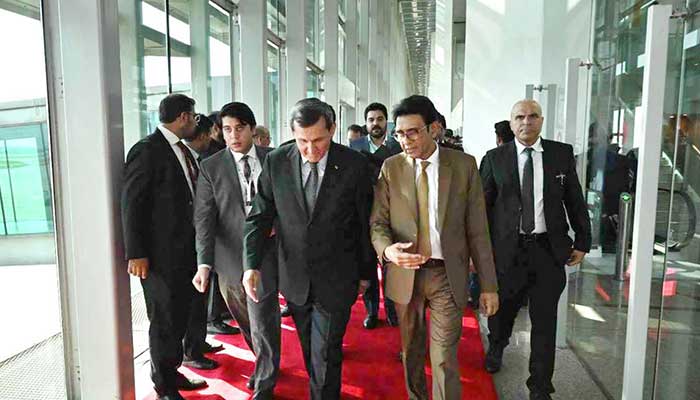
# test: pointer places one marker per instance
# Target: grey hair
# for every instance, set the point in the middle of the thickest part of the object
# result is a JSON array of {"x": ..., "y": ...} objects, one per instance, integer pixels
[{"x": 307, "y": 112}]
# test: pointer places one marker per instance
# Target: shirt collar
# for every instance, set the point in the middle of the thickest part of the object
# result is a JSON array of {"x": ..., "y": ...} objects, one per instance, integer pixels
[
  {"x": 434, "y": 158},
  {"x": 321, "y": 163},
  {"x": 536, "y": 147},
  {"x": 169, "y": 135},
  {"x": 386, "y": 136},
  {"x": 251, "y": 154}
]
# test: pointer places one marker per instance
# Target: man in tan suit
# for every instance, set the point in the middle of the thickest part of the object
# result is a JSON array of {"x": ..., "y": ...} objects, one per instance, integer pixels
[{"x": 427, "y": 221}]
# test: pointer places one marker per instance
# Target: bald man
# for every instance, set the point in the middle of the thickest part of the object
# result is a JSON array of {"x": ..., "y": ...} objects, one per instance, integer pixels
[{"x": 530, "y": 185}]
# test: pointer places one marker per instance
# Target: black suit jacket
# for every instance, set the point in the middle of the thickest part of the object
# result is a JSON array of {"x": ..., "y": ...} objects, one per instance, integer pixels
[
  {"x": 324, "y": 254},
  {"x": 376, "y": 159},
  {"x": 562, "y": 195},
  {"x": 157, "y": 206},
  {"x": 219, "y": 215}
]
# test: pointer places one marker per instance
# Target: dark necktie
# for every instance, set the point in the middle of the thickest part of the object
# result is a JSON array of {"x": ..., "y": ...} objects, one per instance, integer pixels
[
  {"x": 528, "y": 194},
  {"x": 247, "y": 174},
  {"x": 192, "y": 168},
  {"x": 311, "y": 187}
]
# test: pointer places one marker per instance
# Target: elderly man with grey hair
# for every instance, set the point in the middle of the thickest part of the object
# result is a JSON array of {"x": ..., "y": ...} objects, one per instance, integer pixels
[
  {"x": 318, "y": 196},
  {"x": 532, "y": 196}
]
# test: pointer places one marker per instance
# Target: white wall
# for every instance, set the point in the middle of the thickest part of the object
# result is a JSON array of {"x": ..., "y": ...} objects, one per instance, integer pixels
[{"x": 508, "y": 45}]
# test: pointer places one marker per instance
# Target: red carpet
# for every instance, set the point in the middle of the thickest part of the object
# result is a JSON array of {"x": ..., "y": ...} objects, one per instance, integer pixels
[{"x": 371, "y": 369}]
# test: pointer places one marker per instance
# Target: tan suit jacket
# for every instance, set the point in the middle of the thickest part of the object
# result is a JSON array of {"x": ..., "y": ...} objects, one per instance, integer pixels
[{"x": 462, "y": 220}]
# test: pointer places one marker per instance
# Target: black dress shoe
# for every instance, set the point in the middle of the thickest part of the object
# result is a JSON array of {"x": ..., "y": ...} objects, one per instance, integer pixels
[
  {"x": 537, "y": 395},
  {"x": 494, "y": 359},
  {"x": 207, "y": 348},
  {"x": 284, "y": 311},
  {"x": 184, "y": 383},
  {"x": 370, "y": 321},
  {"x": 200, "y": 363},
  {"x": 392, "y": 320},
  {"x": 170, "y": 396},
  {"x": 221, "y": 328},
  {"x": 251, "y": 383}
]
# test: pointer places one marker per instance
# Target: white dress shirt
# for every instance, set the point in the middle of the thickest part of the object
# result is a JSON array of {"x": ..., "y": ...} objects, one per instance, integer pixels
[
  {"x": 255, "y": 169},
  {"x": 373, "y": 147},
  {"x": 540, "y": 226},
  {"x": 432, "y": 171},
  {"x": 173, "y": 139},
  {"x": 306, "y": 170}
]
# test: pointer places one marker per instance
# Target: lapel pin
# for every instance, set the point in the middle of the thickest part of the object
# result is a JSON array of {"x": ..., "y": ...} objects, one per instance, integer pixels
[
  {"x": 335, "y": 166},
  {"x": 561, "y": 178}
]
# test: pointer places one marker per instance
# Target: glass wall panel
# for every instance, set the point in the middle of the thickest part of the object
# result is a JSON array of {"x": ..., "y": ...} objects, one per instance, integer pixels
[
  {"x": 313, "y": 83},
  {"x": 273, "y": 91},
  {"x": 313, "y": 21},
  {"x": 219, "y": 57},
  {"x": 32, "y": 362},
  {"x": 676, "y": 286},
  {"x": 200, "y": 40},
  {"x": 277, "y": 17},
  {"x": 598, "y": 312}
]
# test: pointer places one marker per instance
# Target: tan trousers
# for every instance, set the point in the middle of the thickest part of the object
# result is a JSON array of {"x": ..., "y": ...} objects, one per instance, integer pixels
[{"x": 431, "y": 289}]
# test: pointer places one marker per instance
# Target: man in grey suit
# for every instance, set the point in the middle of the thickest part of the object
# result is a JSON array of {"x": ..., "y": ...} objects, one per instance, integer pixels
[{"x": 225, "y": 190}]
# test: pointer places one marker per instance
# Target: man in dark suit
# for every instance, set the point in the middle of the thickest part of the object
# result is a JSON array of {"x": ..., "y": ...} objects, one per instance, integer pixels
[
  {"x": 530, "y": 187},
  {"x": 377, "y": 147},
  {"x": 318, "y": 195},
  {"x": 160, "y": 179}
]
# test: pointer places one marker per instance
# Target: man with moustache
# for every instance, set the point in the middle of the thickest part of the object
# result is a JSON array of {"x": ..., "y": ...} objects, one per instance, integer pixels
[
  {"x": 317, "y": 194},
  {"x": 377, "y": 146},
  {"x": 531, "y": 186},
  {"x": 225, "y": 191},
  {"x": 160, "y": 178}
]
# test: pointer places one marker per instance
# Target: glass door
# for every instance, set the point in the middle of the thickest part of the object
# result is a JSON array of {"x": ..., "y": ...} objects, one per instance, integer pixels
[
  {"x": 32, "y": 358},
  {"x": 674, "y": 361}
]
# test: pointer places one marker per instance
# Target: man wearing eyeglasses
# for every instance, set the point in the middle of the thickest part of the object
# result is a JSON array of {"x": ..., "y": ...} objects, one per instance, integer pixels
[
  {"x": 226, "y": 188},
  {"x": 377, "y": 147},
  {"x": 160, "y": 178},
  {"x": 427, "y": 221}
]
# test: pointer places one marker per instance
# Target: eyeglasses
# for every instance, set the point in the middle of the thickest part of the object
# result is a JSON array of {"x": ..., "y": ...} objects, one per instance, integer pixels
[{"x": 408, "y": 134}]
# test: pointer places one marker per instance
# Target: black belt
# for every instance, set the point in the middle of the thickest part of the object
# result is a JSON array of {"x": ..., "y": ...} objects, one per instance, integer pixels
[
  {"x": 434, "y": 263},
  {"x": 533, "y": 237}
]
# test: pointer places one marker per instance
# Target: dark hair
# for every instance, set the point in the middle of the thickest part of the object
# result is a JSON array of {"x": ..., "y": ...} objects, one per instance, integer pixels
[
  {"x": 214, "y": 117},
  {"x": 503, "y": 131},
  {"x": 441, "y": 120},
  {"x": 376, "y": 107},
  {"x": 237, "y": 110},
  {"x": 204, "y": 125},
  {"x": 416, "y": 104},
  {"x": 356, "y": 128},
  {"x": 307, "y": 112},
  {"x": 173, "y": 105}
]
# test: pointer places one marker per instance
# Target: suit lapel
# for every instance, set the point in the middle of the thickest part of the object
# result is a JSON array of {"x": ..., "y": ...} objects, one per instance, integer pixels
[
  {"x": 512, "y": 160},
  {"x": 408, "y": 185},
  {"x": 295, "y": 160},
  {"x": 174, "y": 161},
  {"x": 548, "y": 166},
  {"x": 231, "y": 172},
  {"x": 444, "y": 178},
  {"x": 329, "y": 176}
]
